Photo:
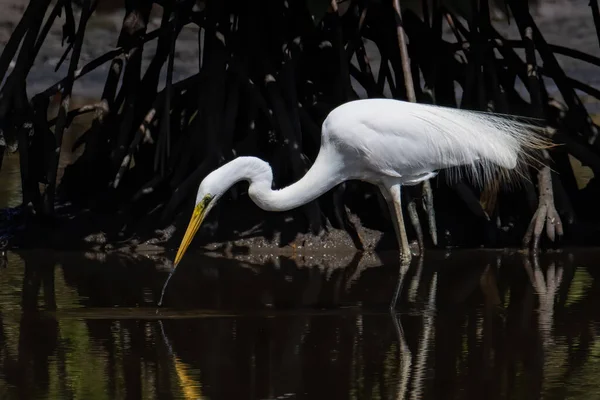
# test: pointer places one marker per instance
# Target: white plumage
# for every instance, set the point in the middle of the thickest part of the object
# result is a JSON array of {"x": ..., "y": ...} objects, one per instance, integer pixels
[
  {"x": 388, "y": 143},
  {"x": 410, "y": 141}
]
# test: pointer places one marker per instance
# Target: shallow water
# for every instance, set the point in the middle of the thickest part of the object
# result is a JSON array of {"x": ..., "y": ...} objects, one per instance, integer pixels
[
  {"x": 469, "y": 325},
  {"x": 10, "y": 181}
]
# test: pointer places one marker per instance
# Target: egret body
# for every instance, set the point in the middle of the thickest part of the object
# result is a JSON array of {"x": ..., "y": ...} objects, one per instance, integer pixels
[{"x": 388, "y": 143}]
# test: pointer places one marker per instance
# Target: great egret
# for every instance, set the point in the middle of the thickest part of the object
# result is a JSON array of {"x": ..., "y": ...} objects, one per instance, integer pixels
[{"x": 388, "y": 143}]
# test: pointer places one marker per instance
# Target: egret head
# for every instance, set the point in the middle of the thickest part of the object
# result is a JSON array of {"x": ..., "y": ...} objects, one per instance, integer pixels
[
  {"x": 210, "y": 190},
  {"x": 216, "y": 184}
]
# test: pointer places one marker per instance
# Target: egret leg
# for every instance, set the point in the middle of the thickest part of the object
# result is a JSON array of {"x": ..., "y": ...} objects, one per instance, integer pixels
[
  {"x": 403, "y": 238},
  {"x": 404, "y": 261},
  {"x": 392, "y": 210},
  {"x": 392, "y": 195}
]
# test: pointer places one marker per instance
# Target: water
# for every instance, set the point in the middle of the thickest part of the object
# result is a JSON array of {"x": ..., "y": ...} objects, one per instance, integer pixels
[
  {"x": 470, "y": 325},
  {"x": 10, "y": 181}
]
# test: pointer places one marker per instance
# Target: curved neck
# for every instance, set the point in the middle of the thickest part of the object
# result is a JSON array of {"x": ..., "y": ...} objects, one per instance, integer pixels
[{"x": 321, "y": 177}]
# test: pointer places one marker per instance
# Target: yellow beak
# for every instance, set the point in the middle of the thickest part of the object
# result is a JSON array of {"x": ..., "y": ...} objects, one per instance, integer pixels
[{"x": 196, "y": 220}]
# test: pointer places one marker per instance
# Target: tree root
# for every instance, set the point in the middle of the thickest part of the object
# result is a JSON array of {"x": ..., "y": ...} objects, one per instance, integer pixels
[
  {"x": 414, "y": 220},
  {"x": 430, "y": 210},
  {"x": 545, "y": 214},
  {"x": 162, "y": 235},
  {"x": 410, "y": 94}
]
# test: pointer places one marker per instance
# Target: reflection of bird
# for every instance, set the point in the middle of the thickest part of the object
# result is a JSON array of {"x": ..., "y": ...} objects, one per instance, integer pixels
[{"x": 388, "y": 143}]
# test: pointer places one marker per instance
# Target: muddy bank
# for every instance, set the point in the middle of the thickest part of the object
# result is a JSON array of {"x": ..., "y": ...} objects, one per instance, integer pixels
[
  {"x": 274, "y": 234},
  {"x": 237, "y": 226}
]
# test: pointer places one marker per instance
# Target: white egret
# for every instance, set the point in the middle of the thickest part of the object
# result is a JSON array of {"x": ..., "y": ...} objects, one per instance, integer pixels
[{"x": 388, "y": 143}]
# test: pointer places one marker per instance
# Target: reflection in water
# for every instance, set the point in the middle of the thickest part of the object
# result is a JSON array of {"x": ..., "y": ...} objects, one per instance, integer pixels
[
  {"x": 474, "y": 324},
  {"x": 10, "y": 181}
]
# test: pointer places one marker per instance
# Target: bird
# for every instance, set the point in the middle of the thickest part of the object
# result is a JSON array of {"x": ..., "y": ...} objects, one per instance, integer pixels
[{"x": 389, "y": 143}]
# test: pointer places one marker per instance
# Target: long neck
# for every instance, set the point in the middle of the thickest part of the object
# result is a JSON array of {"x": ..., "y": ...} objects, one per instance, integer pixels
[{"x": 322, "y": 176}]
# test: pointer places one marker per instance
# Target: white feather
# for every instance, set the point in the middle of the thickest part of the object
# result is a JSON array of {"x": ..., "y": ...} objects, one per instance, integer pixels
[{"x": 410, "y": 140}]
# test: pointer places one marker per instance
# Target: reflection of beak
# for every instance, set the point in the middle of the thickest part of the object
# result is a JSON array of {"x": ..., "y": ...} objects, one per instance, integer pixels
[{"x": 197, "y": 217}]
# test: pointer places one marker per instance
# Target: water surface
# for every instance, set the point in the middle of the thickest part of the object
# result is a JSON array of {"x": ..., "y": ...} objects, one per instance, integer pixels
[{"x": 469, "y": 325}]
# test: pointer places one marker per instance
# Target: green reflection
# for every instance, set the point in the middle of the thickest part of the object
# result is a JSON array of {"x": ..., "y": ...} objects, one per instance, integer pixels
[
  {"x": 10, "y": 181},
  {"x": 579, "y": 286}
]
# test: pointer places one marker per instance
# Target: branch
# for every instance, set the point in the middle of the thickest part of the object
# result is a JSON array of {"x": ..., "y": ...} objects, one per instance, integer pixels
[
  {"x": 565, "y": 51},
  {"x": 594, "y": 5},
  {"x": 92, "y": 65},
  {"x": 65, "y": 100},
  {"x": 71, "y": 115},
  {"x": 410, "y": 94}
]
